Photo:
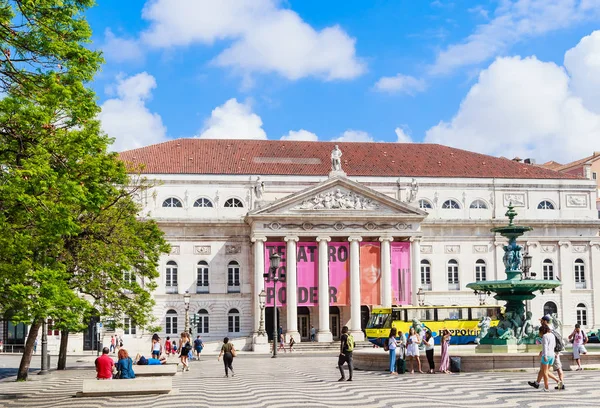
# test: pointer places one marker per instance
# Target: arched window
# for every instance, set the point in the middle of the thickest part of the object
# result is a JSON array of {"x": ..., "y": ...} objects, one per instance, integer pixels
[
  {"x": 548, "y": 269},
  {"x": 425, "y": 205},
  {"x": 581, "y": 314},
  {"x": 171, "y": 322},
  {"x": 425, "y": 274},
  {"x": 453, "y": 283},
  {"x": 233, "y": 320},
  {"x": 233, "y": 202},
  {"x": 172, "y": 202},
  {"x": 202, "y": 321},
  {"x": 202, "y": 277},
  {"x": 479, "y": 205},
  {"x": 545, "y": 205},
  {"x": 451, "y": 205},
  {"x": 480, "y": 270},
  {"x": 579, "y": 274},
  {"x": 550, "y": 308},
  {"x": 171, "y": 277},
  {"x": 233, "y": 277},
  {"x": 203, "y": 202}
]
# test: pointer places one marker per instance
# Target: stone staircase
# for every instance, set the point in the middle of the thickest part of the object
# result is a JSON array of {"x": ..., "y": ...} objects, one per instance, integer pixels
[{"x": 307, "y": 346}]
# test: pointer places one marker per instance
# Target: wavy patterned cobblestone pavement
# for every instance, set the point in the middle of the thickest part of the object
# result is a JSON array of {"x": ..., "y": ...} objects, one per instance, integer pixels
[{"x": 310, "y": 382}]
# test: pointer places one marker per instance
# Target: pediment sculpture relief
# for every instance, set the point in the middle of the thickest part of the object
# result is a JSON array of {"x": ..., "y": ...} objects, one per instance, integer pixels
[{"x": 337, "y": 200}]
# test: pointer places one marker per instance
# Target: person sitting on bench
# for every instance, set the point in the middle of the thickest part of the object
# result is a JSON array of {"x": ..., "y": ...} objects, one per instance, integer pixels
[
  {"x": 104, "y": 366},
  {"x": 141, "y": 360}
]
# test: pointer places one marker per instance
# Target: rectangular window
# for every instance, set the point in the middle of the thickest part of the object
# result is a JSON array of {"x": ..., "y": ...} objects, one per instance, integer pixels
[
  {"x": 50, "y": 328},
  {"x": 582, "y": 317},
  {"x": 480, "y": 273},
  {"x": 128, "y": 326},
  {"x": 234, "y": 324},
  {"x": 171, "y": 325},
  {"x": 203, "y": 324},
  {"x": 580, "y": 276},
  {"x": 453, "y": 283},
  {"x": 202, "y": 280},
  {"x": 548, "y": 270},
  {"x": 426, "y": 277},
  {"x": 594, "y": 176},
  {"x": 233, "y": 279}
]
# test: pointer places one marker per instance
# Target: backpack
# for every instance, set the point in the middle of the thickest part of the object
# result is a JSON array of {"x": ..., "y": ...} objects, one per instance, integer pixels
[
  {"x": 559, "y": 344},
  {"x": 350, "y": 342}
]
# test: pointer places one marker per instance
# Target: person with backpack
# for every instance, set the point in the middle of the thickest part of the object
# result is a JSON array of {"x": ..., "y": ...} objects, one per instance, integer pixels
[
  {"x": 198, "y": 346},
  {"x": 579, "y": 339},
  {"x": 346, "y": 349},
  {"x": 557, "y": 365}
]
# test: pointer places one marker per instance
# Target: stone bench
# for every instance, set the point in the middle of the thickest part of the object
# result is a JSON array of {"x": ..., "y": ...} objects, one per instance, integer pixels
[
  {"x": 154, "y": 370},
  {"x": 137, "y": 386}
]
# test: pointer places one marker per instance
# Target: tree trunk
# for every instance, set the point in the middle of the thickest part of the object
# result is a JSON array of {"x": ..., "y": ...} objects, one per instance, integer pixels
[
  {"x": 28, "y": 352},
  {"x": 62, "y": 355}
]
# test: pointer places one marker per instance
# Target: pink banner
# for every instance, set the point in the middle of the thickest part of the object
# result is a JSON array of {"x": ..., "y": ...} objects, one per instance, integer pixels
[
  {"x": 307, "y": 264},
  {"x": 339, "y": 276},
  {"x": 401, "y": 274},
  {"x": 370, "y": 273},
  {"x": 270, "y": 249}
]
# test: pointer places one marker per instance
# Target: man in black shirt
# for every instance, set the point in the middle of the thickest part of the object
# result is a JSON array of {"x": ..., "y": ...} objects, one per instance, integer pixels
[{"x": 345, "y": 355}]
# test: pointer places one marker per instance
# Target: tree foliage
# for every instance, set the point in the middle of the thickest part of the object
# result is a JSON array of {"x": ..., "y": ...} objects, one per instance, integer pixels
[{"x": 68, "y": 225}]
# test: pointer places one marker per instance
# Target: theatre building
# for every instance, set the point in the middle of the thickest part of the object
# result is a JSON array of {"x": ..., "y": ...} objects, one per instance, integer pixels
[{"x": 357, "y": 226}]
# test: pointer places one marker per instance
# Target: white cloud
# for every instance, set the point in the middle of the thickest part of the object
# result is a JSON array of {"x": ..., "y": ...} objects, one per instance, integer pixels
[
  {"x": 121, "y": 49},
  {"x": 513, "y": 21},
  {"x": 354, "y": 136},
  {"x": 583, "y": 64},
  {"x": 400, "y": 84},
  {"x": 266, "y": 38},
  {"x": 127, "y": 119},
  {"x": 300, "y": 135},
  {"x": 402, "y": 136},
  {"x": 233, "y": 120},
  {"x": 529, "y": 108}
]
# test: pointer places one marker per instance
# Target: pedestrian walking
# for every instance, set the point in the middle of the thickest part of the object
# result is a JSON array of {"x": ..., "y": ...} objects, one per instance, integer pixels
[
  {"x": 429, "y": 342},
  {"x": 547, "y": 355},
  {"x": 292, "y": 342},
  {"x": 392, "y": 345},
  {"x": 112, "y": 344},
  {"x": 185, "y": 346},
  {"x": 198, "y": 346},
  {"x": 227, "y": 352},
  {"x": 281, "y": 343},
  {"x": 156, "y": 349},
  {"x": 35, "y": 342},
  {"x": 579, "y": 339},
  {"x": 313, "y": 333},
  {"x": 346, "y": 349},
  {"x": 557, "y": 365},
  {"x": 412, "y": 350},
  {"x": 445, "y": 342}
]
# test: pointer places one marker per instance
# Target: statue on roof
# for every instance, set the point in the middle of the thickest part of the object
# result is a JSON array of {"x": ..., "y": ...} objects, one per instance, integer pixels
[
  {"x": 259, "y": 188},
  {"x": 412, "y": 191},
  {"x": 336, "y": 159}
]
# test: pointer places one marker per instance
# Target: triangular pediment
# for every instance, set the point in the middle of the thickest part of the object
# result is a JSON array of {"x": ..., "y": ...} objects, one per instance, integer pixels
[{"x": 335, "y": 197}]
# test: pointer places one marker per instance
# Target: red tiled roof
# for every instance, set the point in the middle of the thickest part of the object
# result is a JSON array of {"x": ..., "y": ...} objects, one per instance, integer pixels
[
  {"x": 579, "y": 162},
  {"x": 275, "y": 157},
  {"x": 552, "y": 165}
]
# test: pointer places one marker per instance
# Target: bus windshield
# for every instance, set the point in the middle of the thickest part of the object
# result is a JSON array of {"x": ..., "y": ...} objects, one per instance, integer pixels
[{"x": 380, "y": 321}]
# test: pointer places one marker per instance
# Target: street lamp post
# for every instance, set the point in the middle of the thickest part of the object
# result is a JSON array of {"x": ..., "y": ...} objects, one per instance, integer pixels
[
  {"x": 482, "y": 296},
  {"x": 262, "y": 301},
  {"x": 421, "y": 297},
  {"x": 526, "y": 275},
  {"x": 186, "y": 300},
  {"x": 45, "y": 367},
  {"x": 274, "y": 260}
]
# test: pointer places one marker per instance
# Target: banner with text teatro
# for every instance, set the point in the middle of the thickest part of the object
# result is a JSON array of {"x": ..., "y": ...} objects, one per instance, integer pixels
[{"x": 307, "y": 267}]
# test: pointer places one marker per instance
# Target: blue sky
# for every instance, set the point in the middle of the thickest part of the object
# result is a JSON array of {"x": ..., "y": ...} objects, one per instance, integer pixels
[{"x": 489, "y": 76}]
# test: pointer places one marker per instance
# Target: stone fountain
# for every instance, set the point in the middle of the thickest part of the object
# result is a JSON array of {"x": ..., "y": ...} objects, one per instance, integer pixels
[{"x": 515, "y": 329}]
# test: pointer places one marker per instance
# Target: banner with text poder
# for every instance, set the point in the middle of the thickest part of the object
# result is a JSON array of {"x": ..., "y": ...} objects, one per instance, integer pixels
[
  {"x": 401, "y": 273},
  {"x": 370, "y": 273},
  {"x": 307, "y": 272}
]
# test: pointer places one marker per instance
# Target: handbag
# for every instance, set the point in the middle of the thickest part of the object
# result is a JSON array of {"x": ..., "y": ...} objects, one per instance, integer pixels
[{"x": 233, "y": 352}]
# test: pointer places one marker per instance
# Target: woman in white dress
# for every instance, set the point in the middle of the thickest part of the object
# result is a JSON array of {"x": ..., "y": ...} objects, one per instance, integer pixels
[{"x": 412, "y": 350}]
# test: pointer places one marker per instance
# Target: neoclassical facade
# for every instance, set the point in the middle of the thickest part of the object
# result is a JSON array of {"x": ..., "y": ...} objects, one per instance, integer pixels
[{"x": 367, "y": 226}]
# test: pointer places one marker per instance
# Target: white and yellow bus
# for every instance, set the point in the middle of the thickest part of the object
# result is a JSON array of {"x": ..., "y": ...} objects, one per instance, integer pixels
[{"x": 461, "y": 321}]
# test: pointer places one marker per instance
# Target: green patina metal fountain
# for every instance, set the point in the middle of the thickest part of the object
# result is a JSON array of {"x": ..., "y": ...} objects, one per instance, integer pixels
[{"x": 515, "y": 329}]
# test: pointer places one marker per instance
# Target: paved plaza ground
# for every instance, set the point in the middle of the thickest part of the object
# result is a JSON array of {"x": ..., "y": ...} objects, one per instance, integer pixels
[{"x": 301, "y": 381}]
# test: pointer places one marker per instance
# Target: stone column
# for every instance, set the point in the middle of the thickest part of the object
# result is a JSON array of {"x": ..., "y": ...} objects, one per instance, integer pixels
[
  {"x": 324, "y": 333},
  {"x": 592, "y": 274},
  {"x": 292, "y": 289},
  {"x": 564, "y": 271},
  {"x": 386, "y": 271},
  {"x": 259, "y": 280},
  {"x": 355, "y": 315},
  {"x": 415, "y": 264}
]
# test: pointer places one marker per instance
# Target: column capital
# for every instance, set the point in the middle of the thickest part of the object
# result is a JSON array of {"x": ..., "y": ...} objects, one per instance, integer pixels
[
  {"x": 386, "y": 238},
  {"x": 291, "y": 238},
  {"x": 256, "y": 238},
  {"x": 564, "y": 244},
  {"x": 595, "y": 244},
  {"x": 533, "y": 244},
  {"x": 415, "y": 239},
  {"x": 326, "y": 239},
  {"x": 355, "y": 238}
]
